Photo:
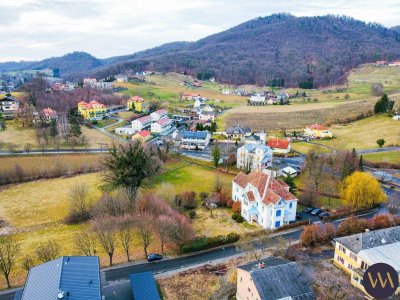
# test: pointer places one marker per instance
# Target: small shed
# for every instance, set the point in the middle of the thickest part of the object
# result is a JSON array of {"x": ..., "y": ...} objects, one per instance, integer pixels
[{"x": 144, "y": 286}]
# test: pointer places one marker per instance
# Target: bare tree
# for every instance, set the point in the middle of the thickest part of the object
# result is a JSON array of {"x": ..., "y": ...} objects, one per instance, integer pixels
[
  {"x": 27, "y": 262},
  {"x": 125, "y": 233},
  {"x": 9, "y": 250},
  {"x": 331, "y": 287},
  {"x": 218, "y": 185},
  {"x": 27, "y": 147},
  {"x": 85, "y": 243},
  {"x": 11, "y": 147},
  {"x": 47, "y": 251},
  {"x": 314, "y": 166},
  {"x": 78, "y": 200},
  {"x": 144, "y": 227},
  {"x": 105, "y": 230}
]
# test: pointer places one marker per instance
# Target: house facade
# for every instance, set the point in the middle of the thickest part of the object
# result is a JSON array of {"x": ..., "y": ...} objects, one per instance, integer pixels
[
  {"x": 253, "y": 157},
  {"x": 8, "y": 105},
  {"x": 237, "y": 132},
  {"x": 192, "y": 140},
  {"x": 162, "y": 126},
  {"x": 159, "y": 114},
  {"x": 125, "y": 130},
  {"x": 93, "y": 110},
  {"x": 48, "y": 114},
  {"x": 135, "y": 103},
  {"x": 279, "y": 146},
  {"x": 142, "y": 123},
  {"x": 264, "y": 199},
  {"x": 257, "y": 99},
  {"x": 355, "y": 253},
  {"x": 207, "y": 116},
  {"x": 317, "y": 131}
]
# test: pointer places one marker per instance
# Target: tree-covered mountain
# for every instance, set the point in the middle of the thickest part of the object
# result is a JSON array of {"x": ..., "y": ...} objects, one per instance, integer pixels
[{"x": 299, "y": 50}]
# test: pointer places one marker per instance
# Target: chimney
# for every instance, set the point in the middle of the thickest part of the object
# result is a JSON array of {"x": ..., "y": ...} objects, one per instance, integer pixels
[{"x": 261, "y": 265}]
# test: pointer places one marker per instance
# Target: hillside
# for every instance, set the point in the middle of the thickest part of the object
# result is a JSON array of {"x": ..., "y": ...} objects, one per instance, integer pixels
[{"x": 317, "y": 50}]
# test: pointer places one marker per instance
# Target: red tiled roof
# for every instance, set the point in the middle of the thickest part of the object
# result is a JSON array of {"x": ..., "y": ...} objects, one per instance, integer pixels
[
  {"x": 49, "y": 112},
  {"x": 144, "y": 133},
  {"x": 144, "y": 119},
  {"x": 137, "y": 99},
  {"x": 317, "y": 127},
  {"x": 163, "y": 121},
  {"x": 278, "y": 143},
  {"x": 91, "y": 104},
  {"x": 161, "y": 112}
]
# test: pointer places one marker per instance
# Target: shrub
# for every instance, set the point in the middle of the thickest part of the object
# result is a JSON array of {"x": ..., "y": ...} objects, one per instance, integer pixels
[
  {"x": 76, "y": 217},
  {"x": 237, "y": 207},
  {"x": 235, "y": 216},
  {"x": 240, "y": 219},
  {"x": 230, "y": 203},
  {"x": 381, "y": 221},
  {"x": 192, "y": 214},
  {"x": 352, "y": 225},
  {"x": 203, "y": 243},
  {"x": 310, "y": 235},
  {"x": 185, "y": 200}
]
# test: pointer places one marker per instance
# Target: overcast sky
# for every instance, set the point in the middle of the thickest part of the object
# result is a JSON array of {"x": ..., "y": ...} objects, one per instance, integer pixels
[{"x": 37, "y": 29}]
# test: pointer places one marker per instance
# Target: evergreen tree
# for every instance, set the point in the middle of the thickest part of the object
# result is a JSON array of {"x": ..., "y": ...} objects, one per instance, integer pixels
[
  {"x": 382, "y": 105},
  {"x": 289, "y": 180},
  {"x": 216, "y": 154},
  {"x": 361, "y": 164},
  {"x": 75, "y": 127}
]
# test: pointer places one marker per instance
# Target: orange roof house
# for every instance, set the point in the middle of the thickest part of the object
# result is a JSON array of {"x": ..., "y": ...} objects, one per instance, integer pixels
[
  {"x": 135, "y": 103},
  {"x": 279, "y": 145},
  {"x": 317, "y": 131}
]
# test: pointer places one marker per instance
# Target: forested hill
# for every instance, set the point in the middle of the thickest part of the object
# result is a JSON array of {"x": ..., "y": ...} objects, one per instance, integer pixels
[
  {"x": 321, "y": 49},
  {"x": 317, "y": 50}
]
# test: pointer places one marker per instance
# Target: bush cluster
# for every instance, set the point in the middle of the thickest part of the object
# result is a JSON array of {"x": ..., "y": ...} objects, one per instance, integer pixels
[{"x": 203, "y": 243}]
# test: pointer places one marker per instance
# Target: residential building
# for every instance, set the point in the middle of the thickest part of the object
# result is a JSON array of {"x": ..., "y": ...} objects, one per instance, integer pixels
[
  {"x": 125, "y": 130},
  {"x": 159, "y": 114},
  {"x": 256, "y": 138},
  {"x": 135, "y": 103},
  {"x": 279, "y": 168},
  {"x": 253, "y": 157},
  {"x": 162, "y": 126},
  {"x": 279, "y": 146},
  {"x": 89, "y": 82},
  {"x": 355, "y": 253},
  {"x": 226, "y": 92},
  {"x": 208, "y": 108},
  {"x": 272, "y": 101},
  {"x": 48, "y": 114},
  {"x": 317, "y": 131},
  {"x": 104, "y": 85},
  {"x": 121, "y": 78},
  {"x": 142, "y": 135},
  {"x": 257, "y": 99},
  {"x": 264, "y": 199},
  {"x": 67, "y": 277},
  {"x": 192, "y": 140},
  {"x": 187, "y": 96},
  {"x": 236, "y": 132},
  {"x": 93, "y": 110},
  {"x": 272, "y": 279},
  {"x": 8, "y": 106},
  {"x": 394, "y": 64},
  {"x": 144, "y": 286},
  {"x": 380, "y": 63},
  {"x": 207, "y": 116},
  {"x": 396, "y": 117},
  {"x": 198, "y": 102},
  {"x": 142, "y": 123}
]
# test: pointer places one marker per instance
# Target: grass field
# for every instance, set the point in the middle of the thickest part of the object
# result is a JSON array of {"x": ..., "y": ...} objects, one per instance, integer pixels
[
  {"x": 304, "y": 147},
  {"x": 46, "y": 162},
  {"x": 389, "y": 157},
  {"x": 363, "y": 134}
]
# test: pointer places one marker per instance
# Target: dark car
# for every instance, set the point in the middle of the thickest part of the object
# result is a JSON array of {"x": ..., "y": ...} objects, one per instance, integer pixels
[
  {"x": 308, "y": 209},
  {"x": 316, "y": 212},
  {"x": 323, "y": 215},
  {"x": 298, "y": 216},
  {"x": 154, "y": 257}
]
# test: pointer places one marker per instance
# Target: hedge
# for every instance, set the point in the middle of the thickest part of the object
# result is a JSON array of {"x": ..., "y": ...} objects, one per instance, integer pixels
[{"x": 203, "y": 243}]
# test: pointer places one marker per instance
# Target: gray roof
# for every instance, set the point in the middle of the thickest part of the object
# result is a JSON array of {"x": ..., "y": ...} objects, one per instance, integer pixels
[
  {"x": 253, "y": 147},
  {"x": 279, "y": 279},
  {"x": 370, "y": 239},
  {"x": 196, "y": 135},
  {"x": 144, "y": 286},
  {"x": 77, "y": 276},
  {"x": 236, "y": 129}
]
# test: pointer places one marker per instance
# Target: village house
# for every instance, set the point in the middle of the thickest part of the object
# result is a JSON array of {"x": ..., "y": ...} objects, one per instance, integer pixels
[
  {"x": 208, "y": 108},
  {"x": 190, "y": 97},
  {"x": 253, "y": 157},
  {"x": 104, "y": 85},
  {"x": 396, "y": 117},
  {"x": 159, "y": 114},
  {"x": 272, "y": 279},
  {"x": 121, "y": 78},
  {"x": 199, "y": 103},
  {"x": 135, "y": 103},
  {"x": 8, "y": 106},
  {"x": 207, "y": 116},
  {"x": 142, "y": 123},
  {"x": 381, "y": 63},
  {"x": 192, "y": 140},
  {"x": 93, "y": 110},
  {"x": 236, "y": 132},
  {"x": 125, "y": 130},
  {"x": 142, "y": 135},
  {"x": 48, "y": 114},
  {"x": 395, "y": 63},
  {"x": 67, "y": 277},
  {"x": 317, "y": 131},
  {"x": 272, "y": 101},
  {"x": 279, "y": 146},
  {"x": 89, "y": 82},
  {"x": 226, "y": 92},
  {"x": 264, "y": 199},
  {"x": 256, "y": 138},
  {"x": 355, "y": 253},
  {"x": 162, "y": 126},
  {"x": 257, "y": 99},
  {"x": 279, "y": 168}
]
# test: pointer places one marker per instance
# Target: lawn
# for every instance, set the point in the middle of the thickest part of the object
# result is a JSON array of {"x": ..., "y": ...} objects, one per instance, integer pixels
[
  {"x": 304, "y": 147},
  {"x": 363, "y": 134},
  {"x": 389, "y": 157}
]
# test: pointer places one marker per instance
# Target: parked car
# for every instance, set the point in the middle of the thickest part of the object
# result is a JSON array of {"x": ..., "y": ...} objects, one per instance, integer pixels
[
  {"x": 308, "y": 209},
  {"x": 154, "y": 257},
  {"x": 323, "y": 215},
  {"x": 298, "y": 216},
  {"x": 316, "y": 212}
]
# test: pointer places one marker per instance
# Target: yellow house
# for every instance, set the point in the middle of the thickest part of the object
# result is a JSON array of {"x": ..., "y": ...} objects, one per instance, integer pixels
[
  {"x": 93, "y": 110},
  {"x": 317, "y": 131},
  {"x": 135, "y": 103},
  {"x": 272, "y": 279},
  {"x": 355, "y": 253}
]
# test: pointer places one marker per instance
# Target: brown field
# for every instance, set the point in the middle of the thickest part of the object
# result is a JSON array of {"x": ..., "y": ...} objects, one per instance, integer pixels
[
  {"x": 46, "y": 162},
  {"x": 290, "y": 117}
]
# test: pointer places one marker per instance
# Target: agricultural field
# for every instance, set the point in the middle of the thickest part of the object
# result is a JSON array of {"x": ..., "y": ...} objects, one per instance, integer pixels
[
  {"x": 363, "y": 134},
  {"x": 388, "y": 157}
]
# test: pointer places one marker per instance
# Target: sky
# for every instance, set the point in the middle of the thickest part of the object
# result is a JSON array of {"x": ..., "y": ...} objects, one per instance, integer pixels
[{"x": 37, "y": 29}]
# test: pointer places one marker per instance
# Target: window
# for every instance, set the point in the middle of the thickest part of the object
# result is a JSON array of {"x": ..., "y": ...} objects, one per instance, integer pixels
[
  {"x": 277, "y": 224},
  {"x": 262, "y": 208},
  {"x": 339, "y": 258},
  {"x": 278, "y": 213},
  {"x": 353, "y": 256},
  {"x": 290, "y": 205},
  {"x": 343, "y": 249},
  {"x": 364, "y": 266},
  {"x": 241, "y": 279}
]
